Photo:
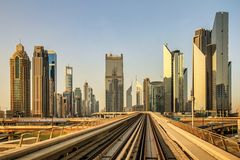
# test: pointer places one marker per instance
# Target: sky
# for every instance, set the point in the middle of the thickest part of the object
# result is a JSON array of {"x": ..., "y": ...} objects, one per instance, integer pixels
[{"x": 83, "y": 31}]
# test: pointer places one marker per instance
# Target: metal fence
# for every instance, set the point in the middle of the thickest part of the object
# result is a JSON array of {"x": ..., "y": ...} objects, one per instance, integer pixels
[{"x": 225, "y": 143}]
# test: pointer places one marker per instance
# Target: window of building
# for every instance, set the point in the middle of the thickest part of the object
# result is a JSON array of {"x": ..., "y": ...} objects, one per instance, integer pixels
[{"x": 17, "y": 67}]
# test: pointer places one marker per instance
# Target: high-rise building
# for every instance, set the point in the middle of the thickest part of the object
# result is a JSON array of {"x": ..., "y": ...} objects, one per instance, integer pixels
[
  {"x": 139, "y": 93},
  {"x": 78, "y": 102},
  {"x": 69, "y": 90},
  {"x": 146, "y": 94},
  {"x": 211, "y": 66},
  {"x": 52, "y": 59},
  {"x": 173, "y": 79},
  {"x": 177, "y": 81},
  {"x": 97, "y": 106},
  {"x": 68, "y": 103},
  {"x": 93, "y": 104},
  {"x": 20, "y": 67},
  {"x": 114, "y": 83},
  {"x": 220, "y": 63},
  {"x": 202, "y": 70},
  {"x": 40, "y": 82},
  {"x": 87, "y": 98},
  {"x": 229, "y": 87},
  {"x": 185, "y": 89},
  {"x": 59, "y": 102},
  {"x": 168, "y": 79},
  {"x": 129, "y": 97},
  {"x": 157, "y": 96},
  {"x": 68, "y": 79}
]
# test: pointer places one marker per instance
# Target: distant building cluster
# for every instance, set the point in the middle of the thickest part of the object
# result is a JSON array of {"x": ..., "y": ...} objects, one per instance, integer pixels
[
  {"x": 211, "y": 77},
  {"x": 210, "y": 91},
  {"x": 46, "y": 102}
]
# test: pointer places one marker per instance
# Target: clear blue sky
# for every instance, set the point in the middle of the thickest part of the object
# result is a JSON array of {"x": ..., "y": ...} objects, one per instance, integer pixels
[{"x": 82, "y": 31}]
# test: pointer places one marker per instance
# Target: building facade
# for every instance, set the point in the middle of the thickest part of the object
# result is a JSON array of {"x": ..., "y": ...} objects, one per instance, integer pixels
[
  {"x": 220, "y": 63},
  {"x": 129, "y": 97},
  {"x": 146, "y": 94},
  {"x": 78, "y": 102},
  {"x": 168, "y": 79},
  {"x": 20, "y": 67},
  {"x": 157, "y": 96},
  {"x": 114, "y": 83},
  {"x": 173, "y": 71},
  {"x": 185, "y": 89},
  {"x": 68, "y": 93},
  {"x": 52, "y": 59},
  {"x": 202, "y": 72},
  {"x": 40, "y": 82},
  {"x": 211, "y": 86},
  {"x": 59, "y": 103}
]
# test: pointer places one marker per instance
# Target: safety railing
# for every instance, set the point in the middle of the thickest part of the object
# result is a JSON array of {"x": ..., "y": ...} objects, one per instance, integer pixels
[{"x": 225, "y": 143}]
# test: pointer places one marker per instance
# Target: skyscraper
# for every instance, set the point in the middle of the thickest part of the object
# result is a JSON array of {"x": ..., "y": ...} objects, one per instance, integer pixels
[
  {"x": 177, "y": 81},
  {"x": 114, "y": 83},
  {"x": 20, "y": 66},
  {"x": 68, "y": 94},
  {"x": 220, "y": 62},
  {"x": 202, "y": 70},
  {"x": 229, "y": 86},
  {"x": 168, "y": 79},
  {"x": 129, "y": 97},
  {"x": 173, "y": 79},
  {"x": 40, "y": 82},
  {"x": 139, "y": 93},
  {"x": 157, "y": 96},
  {"x": 52, "y": 59},
  {"x": 146, "y": 94},
  {"x": 86, "y": 101},
  {"x": 59, "y": 102},
  {"x": 211, "y": 86},
  {"x": 185, "y": 89},
  {"x": 78, "y": 101},
  {"x": 68, "y": 79}
]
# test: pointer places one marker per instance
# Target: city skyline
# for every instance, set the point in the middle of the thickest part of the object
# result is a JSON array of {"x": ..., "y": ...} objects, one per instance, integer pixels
[{"x": 133, "y": 59}]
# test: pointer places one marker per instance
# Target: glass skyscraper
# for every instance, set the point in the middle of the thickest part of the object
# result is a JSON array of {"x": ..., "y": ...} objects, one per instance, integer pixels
[
  {"x": 211, "y": 86},
  {"x": 114, "y": 83},
  {"x": 173, "y": 69},
  {"x": 68, "y": 94},
  {"x": 52, "y": 60},
  {"x": 220, "y": 62}
]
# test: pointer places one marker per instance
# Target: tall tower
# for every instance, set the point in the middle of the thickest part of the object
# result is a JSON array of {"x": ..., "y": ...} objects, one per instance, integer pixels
[
  {"x": 220, "y": 62},
  {"x": 52, "y": 59},
  {"x": 68, "y": 94},
  {"x": 202, "y": 70},
  {"x": 168, "y": 79},
  {"x": 20, "y": 66},
  {"x": 178, "y": 70},
  {"x": 114, "y": 83},
  {"x": 78, "y": 101},
  {"x": 129, "y": 97},
  {"x": 211, "y": 84},
  {"x": 87, "y": 104},
  {"x": 40, "y": 82},
  {"x": 146, "y": 94},
  {"x": 173, "y": 79}
]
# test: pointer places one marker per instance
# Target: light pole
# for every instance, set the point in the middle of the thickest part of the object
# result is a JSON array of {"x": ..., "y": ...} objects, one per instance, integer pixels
[{"x": 193, "y": 101}]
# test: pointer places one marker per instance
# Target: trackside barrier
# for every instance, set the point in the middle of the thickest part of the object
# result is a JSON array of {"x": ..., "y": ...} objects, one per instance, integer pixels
[{"x": 220, "y": 141}]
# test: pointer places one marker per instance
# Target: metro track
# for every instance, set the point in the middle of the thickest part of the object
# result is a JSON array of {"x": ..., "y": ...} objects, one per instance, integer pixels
[{"x": 135, "y": 137}]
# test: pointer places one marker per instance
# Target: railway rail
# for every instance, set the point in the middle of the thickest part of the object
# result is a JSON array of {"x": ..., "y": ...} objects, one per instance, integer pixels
[{"x": 134, "y": 137}]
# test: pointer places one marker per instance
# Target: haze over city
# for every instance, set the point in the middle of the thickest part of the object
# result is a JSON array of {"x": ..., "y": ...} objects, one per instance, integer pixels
[{"x": 83, "y": 32}]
